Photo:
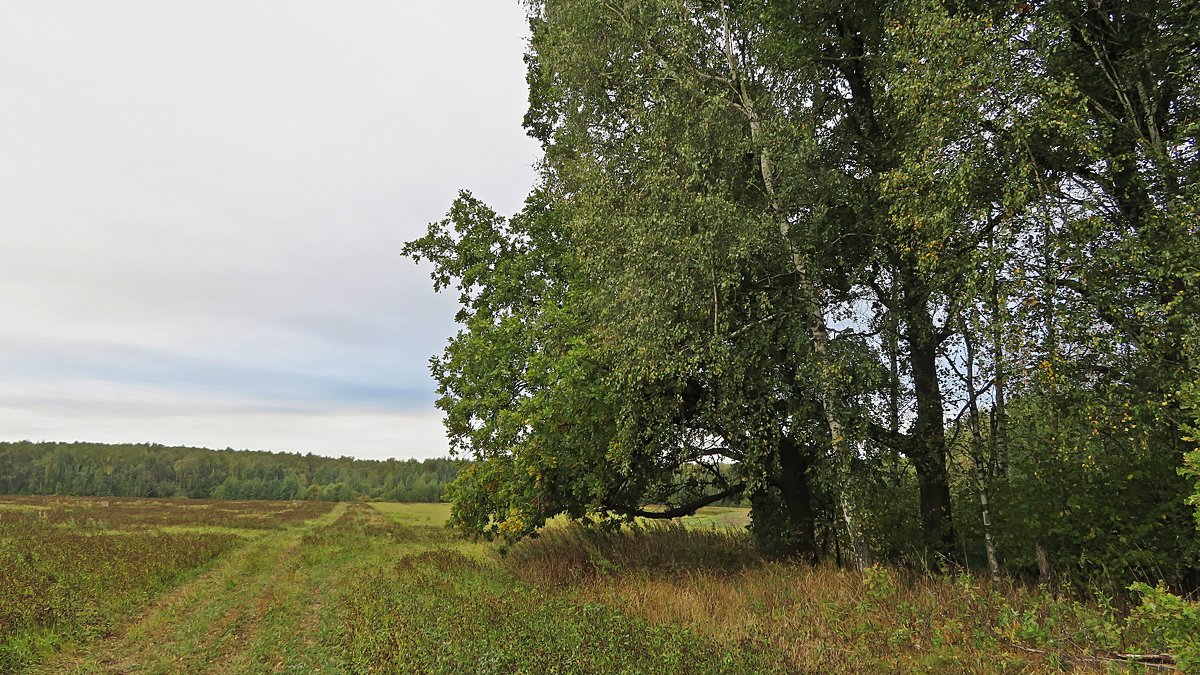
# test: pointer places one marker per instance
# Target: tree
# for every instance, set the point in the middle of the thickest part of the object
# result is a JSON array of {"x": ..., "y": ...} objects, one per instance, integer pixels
[{"x": 837, "y": 256}]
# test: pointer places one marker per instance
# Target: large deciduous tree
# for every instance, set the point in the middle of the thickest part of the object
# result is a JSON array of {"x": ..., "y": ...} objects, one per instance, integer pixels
[{"x": 783, "y": 249}]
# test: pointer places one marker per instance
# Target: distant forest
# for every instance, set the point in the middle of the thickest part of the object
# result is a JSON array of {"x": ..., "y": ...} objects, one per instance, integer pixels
[{"x": 151, "y": 470}]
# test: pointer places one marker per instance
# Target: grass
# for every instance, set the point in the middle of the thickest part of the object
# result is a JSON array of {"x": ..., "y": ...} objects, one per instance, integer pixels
[
  {"x": 73, "y": 569},
  {"x": 571, "y": 554},
  {"x": 735, "y": 518},
  {"x": 438, "y": 610},
  {"x": 415, "y": 513},
  {"x": 260, "y": 608},
  {"x": 381, "y": 588},
  {"x": 443, "y": 612},
  {"x": 803, "y": 618},
  {"x": 358, "y": 588}
]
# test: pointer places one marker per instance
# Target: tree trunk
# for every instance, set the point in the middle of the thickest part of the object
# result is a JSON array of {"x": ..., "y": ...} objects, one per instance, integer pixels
[
  {"x": 999, "y": 417},
  {"x": 927, "y": 447},
  {"x": 1043, "y": 560},
  {"x": 797, "y": 499},
  {"x": 813, "y": 312},
  {"x": 978, "y": 459}
]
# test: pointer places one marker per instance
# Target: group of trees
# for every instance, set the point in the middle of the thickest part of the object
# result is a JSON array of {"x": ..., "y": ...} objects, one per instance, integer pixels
[
  {"x": 151, "y": 470},
  {"x": 917, "y": 278}
]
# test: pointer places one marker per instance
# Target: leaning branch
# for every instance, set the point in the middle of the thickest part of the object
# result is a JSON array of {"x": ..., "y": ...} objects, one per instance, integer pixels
[{"x": 679, "y": 511}]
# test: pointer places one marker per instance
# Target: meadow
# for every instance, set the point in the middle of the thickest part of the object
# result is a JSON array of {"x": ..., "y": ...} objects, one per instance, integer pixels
[{"x": 166, "y": 586}]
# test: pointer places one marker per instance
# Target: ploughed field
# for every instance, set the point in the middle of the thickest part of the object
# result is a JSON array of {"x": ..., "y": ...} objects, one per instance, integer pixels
[{"x": 168, "y": 586}]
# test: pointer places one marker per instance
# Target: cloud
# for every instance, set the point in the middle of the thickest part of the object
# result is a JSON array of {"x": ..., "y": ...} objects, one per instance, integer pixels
[
  {"x": 104, "y": 411},
  {"x": 207, "y": 202}
]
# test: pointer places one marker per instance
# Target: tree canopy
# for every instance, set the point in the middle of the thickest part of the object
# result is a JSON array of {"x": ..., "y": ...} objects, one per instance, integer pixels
[
  {"x": 153, "y": 470},
  {"x": 918, "y": 279}
]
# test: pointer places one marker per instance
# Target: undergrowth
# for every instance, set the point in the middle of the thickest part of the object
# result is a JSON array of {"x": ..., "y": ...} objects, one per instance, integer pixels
[
  {"x": 825, "y": 619},
  {"x": 439, "y": 611},
  {"x": 575, "y": 553}
]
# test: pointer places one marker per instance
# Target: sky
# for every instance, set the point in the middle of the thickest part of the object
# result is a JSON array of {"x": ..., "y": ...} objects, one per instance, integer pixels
[{"x": 202, "y": 207}]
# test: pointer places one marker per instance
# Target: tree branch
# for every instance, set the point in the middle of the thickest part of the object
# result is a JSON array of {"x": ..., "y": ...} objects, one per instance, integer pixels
[
  {"x": 678, "y": 511},
  {"x": 892, "y": 439}
]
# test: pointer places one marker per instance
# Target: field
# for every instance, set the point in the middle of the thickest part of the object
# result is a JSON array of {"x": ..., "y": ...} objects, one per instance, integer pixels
[{"x": 164, "y": 586}]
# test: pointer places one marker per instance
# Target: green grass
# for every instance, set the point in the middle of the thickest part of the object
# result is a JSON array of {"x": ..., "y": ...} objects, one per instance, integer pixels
[
  {"x": 439, "y": 611},
  {"x": 357, "y": 588},
  {"x": 415, "y": 513},
  {"x": 71, "y": 570},
  {"x": 719, "y": 517},
  {"x": 384, "y": 588},
  {"x": 446, "y": 606}
]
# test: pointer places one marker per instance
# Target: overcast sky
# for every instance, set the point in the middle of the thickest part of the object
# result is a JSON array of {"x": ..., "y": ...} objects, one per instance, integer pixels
[{"x": 202, "y": 206}]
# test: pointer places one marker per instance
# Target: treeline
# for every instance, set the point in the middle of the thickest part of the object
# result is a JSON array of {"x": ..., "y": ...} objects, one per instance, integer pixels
[
  {"x": 151, "y": 470},
  {"x": 919, "y": 279}
]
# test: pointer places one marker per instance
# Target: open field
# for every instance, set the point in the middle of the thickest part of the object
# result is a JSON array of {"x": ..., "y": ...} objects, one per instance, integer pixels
[
  {"x": 300, "y": 587},
  {"x": 720, "y": 517},
  {"x": 162, "y": 586},
  {"x": 74, "y": 568}
]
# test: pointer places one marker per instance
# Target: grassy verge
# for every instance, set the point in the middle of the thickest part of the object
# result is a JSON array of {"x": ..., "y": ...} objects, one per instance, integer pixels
[
  {"x": 439, "y": 610},
  {"x": 385, "y": 588},
  {"x": 822, "y": 619}
]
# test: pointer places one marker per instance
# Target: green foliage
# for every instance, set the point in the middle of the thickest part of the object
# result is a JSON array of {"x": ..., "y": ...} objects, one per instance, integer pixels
[
  {"x": 1191, "y": 469},
  {"x": 880, "y": 584},
  {"x": 1190, "y": 397},
  {"x": 1088, "y": 479},
  {"x": 1168, "y": 624},
  {"x": 151, "y": 470},
  {"x": 857, "y": 262}
]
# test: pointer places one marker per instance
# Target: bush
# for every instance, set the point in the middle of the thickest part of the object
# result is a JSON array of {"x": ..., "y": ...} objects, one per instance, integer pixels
[{"x": 1168, "y": 623}]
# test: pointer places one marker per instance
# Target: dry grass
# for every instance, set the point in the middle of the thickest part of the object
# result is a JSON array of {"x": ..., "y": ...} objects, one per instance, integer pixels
[
  {"x": 574, "y": 553},
  {"x": 829, "y": 620},
  {"x": 819, "y": 619},
  {"x": 140, "y": 513}
]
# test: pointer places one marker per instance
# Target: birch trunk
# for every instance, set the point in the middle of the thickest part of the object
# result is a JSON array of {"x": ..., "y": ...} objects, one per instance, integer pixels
[
  {"x": 813, "y": 312},
  {"x": 978, "y": 459}
]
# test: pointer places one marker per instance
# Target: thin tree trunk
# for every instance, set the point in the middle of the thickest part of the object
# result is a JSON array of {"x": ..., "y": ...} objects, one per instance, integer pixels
[
  {"x": 978, "y": 459},
  {"x": 813, "y": 313},
  {"x": 892, "y": 336},
  {"x": 999, "y": 418},
  {"x": 1043, "y": 560},
  {"x": 819, "y": 334}
]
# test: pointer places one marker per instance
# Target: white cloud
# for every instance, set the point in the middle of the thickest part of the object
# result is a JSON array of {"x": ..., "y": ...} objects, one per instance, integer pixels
[
  {"x": 99, "y": 411},
  {"x": 214, "y": 195}
]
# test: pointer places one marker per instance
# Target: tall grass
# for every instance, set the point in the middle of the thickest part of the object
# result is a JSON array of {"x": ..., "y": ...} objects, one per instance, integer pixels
[
  {"x": 825, "y": 619},
  {"x": 437, "y": 610},
  {"x": 574, "y": 553}
]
